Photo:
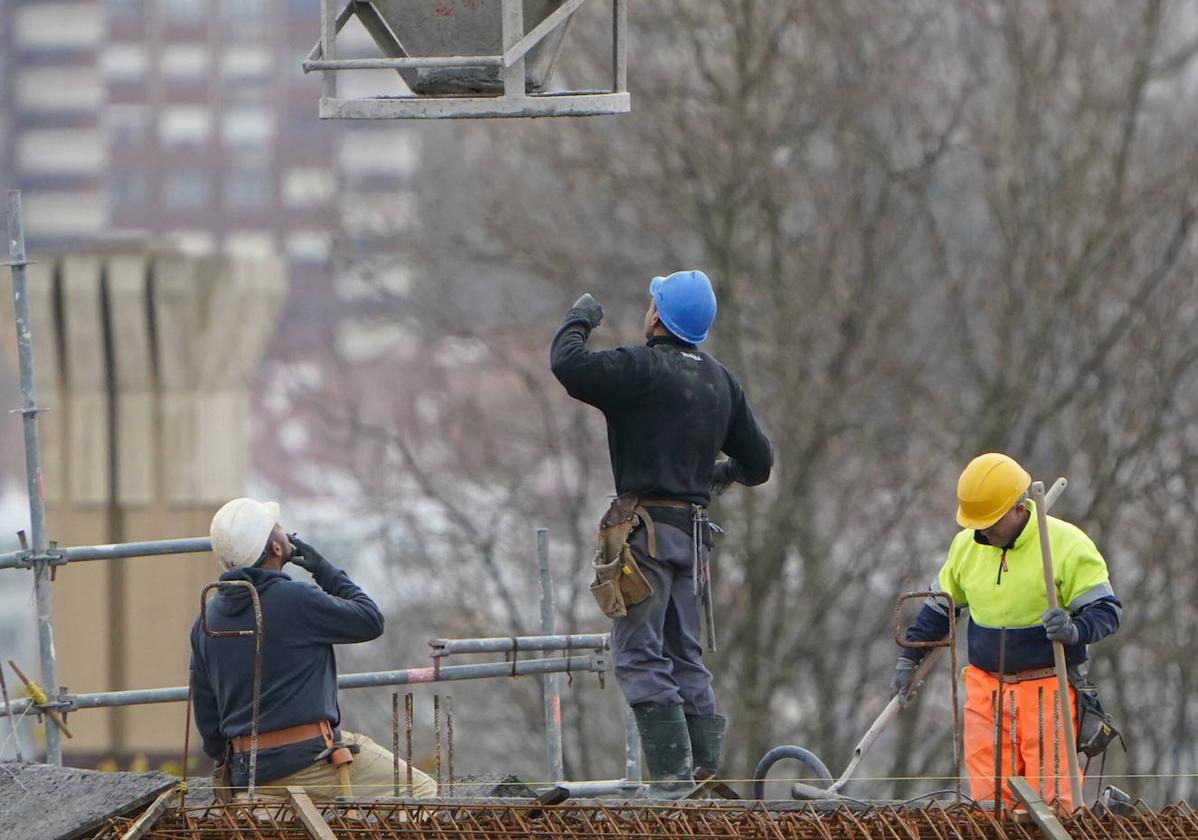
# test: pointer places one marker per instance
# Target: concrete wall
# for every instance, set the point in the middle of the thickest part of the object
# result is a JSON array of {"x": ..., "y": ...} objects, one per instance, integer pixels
[{"x": 146, "y": 361}]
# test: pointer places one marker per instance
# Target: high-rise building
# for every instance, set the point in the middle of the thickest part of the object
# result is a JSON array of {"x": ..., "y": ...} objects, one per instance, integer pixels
[{"x": 190, "y": 120}]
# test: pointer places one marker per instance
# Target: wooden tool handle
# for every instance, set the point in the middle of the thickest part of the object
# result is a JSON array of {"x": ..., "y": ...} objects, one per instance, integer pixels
[{"x": 1058, "y": 649}]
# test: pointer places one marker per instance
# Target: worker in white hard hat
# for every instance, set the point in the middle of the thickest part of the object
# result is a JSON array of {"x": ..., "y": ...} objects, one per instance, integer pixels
[{"x": 300, "y": 742}]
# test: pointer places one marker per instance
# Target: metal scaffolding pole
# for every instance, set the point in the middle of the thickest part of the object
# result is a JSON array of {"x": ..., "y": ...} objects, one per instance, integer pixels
[
  {"x": 593, "y": 662},
  {"x": 33, "y": 467},
  {"x": 519, "y": 644},
  {"x": 150, "y": 548},
  {"x": 551, "y": 685}
]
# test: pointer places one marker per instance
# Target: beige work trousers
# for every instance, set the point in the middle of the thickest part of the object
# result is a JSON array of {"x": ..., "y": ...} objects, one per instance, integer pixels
[{"x": 372, "y": 774}]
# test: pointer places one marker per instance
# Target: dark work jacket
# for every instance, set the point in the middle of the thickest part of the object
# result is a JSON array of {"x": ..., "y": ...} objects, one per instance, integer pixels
[
  {"x": 670, "y": 408},
  {"x": 301, "y": 623}
]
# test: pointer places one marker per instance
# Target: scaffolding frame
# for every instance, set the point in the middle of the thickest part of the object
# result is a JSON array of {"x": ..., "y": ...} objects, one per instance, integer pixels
[
  {"x": 41, "y": 556},
  {"x": 515, "y": 100}
]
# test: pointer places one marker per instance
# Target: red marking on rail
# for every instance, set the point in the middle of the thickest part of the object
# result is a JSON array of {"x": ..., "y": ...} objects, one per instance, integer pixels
[
  {"x": 555, "y": 706},
  {"x": 443, "y": 8},
  {"x": 420, "y": 675}
]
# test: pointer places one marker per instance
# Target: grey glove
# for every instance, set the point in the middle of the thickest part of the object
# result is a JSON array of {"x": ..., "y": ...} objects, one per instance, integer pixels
[
  {"x": 589, "y": 309},
  {"x": 904, "y": 676},
  {"x": 1059, "y": 626},
  {"x": 305, "y": 556}
]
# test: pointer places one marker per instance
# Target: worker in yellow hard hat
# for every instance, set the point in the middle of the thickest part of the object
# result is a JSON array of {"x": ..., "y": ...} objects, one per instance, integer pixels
[{"x": 995, "y": 568}]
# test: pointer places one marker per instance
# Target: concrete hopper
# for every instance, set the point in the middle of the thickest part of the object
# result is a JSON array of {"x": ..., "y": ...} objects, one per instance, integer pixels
[
  {"x": 465, "y": 58},
  {"x": 429, "y": 28}
]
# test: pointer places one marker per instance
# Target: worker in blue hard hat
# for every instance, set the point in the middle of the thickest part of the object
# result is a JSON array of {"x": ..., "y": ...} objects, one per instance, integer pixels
[{"x": 671, "y": 409}]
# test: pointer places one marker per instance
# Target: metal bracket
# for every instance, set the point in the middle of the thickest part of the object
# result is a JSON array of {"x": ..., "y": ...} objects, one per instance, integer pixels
[
  {"x": 515, "y": 101},
  {"x": 52, "y": 558}
]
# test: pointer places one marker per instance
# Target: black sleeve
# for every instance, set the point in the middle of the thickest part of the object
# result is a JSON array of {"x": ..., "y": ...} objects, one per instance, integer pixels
[
  {"x": 592, "y": 377},
  {"x": 749, "y": 450},
  {"x": 1098, "y": 620},
  {"x": 931, "y": 625}
]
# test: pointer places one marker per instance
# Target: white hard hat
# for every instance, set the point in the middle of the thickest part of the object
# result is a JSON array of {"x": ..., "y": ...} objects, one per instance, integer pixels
[{"x": 240, "y": 529}]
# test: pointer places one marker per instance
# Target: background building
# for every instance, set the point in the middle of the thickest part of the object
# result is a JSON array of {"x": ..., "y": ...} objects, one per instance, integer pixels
[{"x": 136, "y": 128}]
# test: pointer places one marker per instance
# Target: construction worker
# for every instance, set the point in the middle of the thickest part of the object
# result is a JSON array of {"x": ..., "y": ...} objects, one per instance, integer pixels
[
  {"x": 299, "y": 741},
  {"x": 995, "y": 568},
  {"x": 670, "y": 410}
]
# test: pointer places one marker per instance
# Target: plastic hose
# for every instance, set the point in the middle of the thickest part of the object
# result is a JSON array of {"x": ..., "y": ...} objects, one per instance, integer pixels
[{"x": 775, "y": 755}]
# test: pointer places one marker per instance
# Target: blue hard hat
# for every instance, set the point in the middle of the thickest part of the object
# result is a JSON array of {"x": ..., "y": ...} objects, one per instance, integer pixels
[{"x": 685, "y": 304}]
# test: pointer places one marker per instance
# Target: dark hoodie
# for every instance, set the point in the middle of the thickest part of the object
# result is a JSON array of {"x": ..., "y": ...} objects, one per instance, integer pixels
[{"x": 301, "y": 623}]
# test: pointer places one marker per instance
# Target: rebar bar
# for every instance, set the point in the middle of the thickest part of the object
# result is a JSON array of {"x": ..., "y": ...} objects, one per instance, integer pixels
[
  {"x": 996, "y": 717},
  {"x": 998, "y": 741},
  {"x": 412, "y": 819},
  {"x": 1040, "y": 733},
  {"x": 395, "y": 742},
  {"x": 255, "y": 709},
  {"x": 16, "y": 735},
  {"x": 409, "y": 712},
  {"x": 449, "y": 742},
  {"x": 437, "y": 734},
  {"x": 1012, "y": 764},
  {"x": 1056, "y": 749}
]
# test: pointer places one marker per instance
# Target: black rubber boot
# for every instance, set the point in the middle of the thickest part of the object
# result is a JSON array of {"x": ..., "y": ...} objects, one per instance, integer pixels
[
  {"x": 707, "y": 742},
  {"x": 665, "y": 741}
]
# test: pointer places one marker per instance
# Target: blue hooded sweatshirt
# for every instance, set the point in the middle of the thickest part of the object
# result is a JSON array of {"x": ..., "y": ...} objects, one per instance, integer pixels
[{"x": 301, "y": 623}]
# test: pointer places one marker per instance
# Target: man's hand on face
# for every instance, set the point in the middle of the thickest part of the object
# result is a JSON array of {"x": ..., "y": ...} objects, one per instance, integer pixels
[{"x": 305, "y": 556}]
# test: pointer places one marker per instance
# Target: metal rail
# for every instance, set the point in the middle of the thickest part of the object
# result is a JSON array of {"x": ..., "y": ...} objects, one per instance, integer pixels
[
  {"x": 516, "y": 644},
  {"x": 592, "y": 663},
  {"x": 59, "y": 556}
]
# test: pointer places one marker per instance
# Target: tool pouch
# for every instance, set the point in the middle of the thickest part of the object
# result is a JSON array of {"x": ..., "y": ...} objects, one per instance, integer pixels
[
  {"x": 336, "y": 753},
  {"x": 1095, "y": 727},
  {"x": 619, "y": 582}
]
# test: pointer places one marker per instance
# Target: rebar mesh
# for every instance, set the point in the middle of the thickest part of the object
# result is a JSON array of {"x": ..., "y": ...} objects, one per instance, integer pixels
[{"x": 700, "y": 820}]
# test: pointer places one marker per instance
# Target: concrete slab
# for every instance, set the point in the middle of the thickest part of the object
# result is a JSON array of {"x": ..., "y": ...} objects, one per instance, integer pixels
[{"x": 43, "y": 802}]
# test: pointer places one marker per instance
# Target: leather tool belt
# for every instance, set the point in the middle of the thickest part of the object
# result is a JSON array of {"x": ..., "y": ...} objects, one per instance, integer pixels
[
  {"x": 1026, "y": 676},
  {"x": 334, "y": 752},
  {"x": 619, "y": 582}
]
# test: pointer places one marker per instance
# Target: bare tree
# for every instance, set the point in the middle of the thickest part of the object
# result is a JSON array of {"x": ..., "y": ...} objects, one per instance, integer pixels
[{"x": 934, "y": 230}]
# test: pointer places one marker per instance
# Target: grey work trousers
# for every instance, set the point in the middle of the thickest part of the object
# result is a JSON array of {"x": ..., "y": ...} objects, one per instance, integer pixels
[{"x": 655, "y": 648}]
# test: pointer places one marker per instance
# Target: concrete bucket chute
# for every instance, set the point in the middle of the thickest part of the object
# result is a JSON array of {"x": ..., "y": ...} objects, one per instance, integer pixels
[
  {"x": 466, "y": 58},
  {"x": 446, "y": 28}
]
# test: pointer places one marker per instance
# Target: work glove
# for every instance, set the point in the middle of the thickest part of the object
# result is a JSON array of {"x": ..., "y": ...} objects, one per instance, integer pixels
[
  {"x": 1059, "y": 626},
  {"x": 305, "y": 556},
  {"x": 904, "y": 677},
  {"x": 589, "y": 309},
  {"x": 721, "y": 478}
]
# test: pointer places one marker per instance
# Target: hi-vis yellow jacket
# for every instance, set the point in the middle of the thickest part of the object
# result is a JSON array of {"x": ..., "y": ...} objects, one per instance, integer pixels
[{"x": 1004, "y": 587}]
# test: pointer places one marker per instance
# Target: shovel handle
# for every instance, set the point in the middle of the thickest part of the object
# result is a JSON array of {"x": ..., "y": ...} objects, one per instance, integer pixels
[{"x": 1058, "y": 649}]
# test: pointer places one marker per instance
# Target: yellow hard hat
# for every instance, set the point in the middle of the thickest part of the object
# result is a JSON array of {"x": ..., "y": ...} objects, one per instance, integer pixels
[{"x": 988, "y": 488}]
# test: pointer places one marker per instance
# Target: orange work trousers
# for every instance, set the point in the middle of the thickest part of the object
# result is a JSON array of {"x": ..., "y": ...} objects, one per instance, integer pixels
[{"x": 1037, "y": 756}]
